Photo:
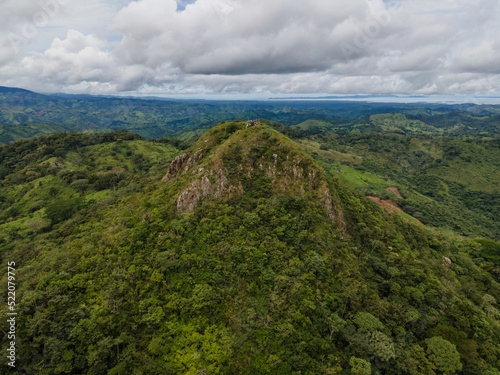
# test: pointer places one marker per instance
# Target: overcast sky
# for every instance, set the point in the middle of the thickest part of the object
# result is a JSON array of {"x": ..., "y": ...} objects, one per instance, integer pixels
[{"x": 258, "y": 47}]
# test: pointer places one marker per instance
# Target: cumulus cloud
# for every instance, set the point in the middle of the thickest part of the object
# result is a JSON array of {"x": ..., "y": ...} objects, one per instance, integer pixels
[{"x": 283, "y": 46}]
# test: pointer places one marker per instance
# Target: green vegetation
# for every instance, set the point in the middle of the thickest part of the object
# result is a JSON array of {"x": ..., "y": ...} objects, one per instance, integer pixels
[
  {"x": 10, "y": 133},
  {"x": 444, "y": 182},
  {"x": 462, "y": 124},
  {"x": 24, "y": 114},
  {"x": 242, "y": 257},
  {"x": 49, "y": 179}
]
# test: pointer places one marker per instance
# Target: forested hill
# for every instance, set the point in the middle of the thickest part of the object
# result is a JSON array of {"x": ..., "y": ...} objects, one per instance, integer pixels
[{"x": 237, "y": 255}]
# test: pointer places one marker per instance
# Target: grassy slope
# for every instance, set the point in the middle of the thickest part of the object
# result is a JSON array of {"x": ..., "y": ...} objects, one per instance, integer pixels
[{"x": 447, "y": 182}]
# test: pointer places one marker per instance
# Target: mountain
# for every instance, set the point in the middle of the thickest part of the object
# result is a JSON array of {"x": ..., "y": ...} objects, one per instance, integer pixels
[
  {"x": 237, "y": 255},
  {"x": 25, "y": 114},
  {"x": 256, "y": 160},
  {"x": 14, "y": 90}
]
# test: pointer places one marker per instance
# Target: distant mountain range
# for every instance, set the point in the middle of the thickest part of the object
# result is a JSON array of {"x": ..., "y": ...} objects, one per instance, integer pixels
[{"x": 157, "y": 117}]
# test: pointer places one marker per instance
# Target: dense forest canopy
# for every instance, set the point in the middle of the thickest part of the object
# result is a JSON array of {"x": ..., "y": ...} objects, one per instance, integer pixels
[{"x": 241, "y": 253}]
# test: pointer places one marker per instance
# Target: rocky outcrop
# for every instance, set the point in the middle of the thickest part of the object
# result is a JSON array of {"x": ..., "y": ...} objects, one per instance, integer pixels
[
  {"x": 175, "y": 166},
  {"x": 185, "y": 161},
  {"x": 188, "y": 198},
  {"x": 446, "y": 261},
  {"x": 210, "y": 184},
  {"x": 192, "y": 160}
]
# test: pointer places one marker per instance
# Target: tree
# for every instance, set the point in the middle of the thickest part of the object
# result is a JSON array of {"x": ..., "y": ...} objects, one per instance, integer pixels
[
  {"x": 382, "y": 346},
  {"x": 444, "y": 355},
  {"x": 367, "y": 322},
  {"x": 62, "y": 209},
  {"x": 360, "y": 366}
]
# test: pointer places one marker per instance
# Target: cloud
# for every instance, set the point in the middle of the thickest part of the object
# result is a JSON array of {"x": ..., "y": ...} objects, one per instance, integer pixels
[
  {"x": 228, "y": 37},
  {"x": 483, "y": 58},
  {"x": 257, "y": 46},
  {"x": 21, "y": 22}
]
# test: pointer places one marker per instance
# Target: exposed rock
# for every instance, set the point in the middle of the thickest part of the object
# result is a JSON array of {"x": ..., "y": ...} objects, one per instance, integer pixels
[
  {"x": 235, "y": 190},
  {"x": 188, "y": 198},
  {"x": 183, "y": 161},
  {"x": 446, "y": 261},
  {"x": 193, "y": 160},
  {"x": 271, "y": 172},
  {"x": 220, "y": 184},
  {"x": 297, "y": 170},
  {"x": 202, "y": 187},
  {"x": 329, "y": 208},
  {"x": 175, "y": 166},
  {"x": 312, "y": 177},
  {"x": 199, "y": 170}
]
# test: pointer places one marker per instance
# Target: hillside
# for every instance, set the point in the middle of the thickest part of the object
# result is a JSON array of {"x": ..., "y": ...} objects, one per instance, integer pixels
[
  {"x": 237, "y": 255},
  {"x": 445, "y": 182},
  {"x": 24, "y": 114},
  {"x": 408, "y": 122}
]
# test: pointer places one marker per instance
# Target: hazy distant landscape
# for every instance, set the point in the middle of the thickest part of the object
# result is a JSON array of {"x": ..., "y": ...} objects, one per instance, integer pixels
[{"x": 26, "y": 114}]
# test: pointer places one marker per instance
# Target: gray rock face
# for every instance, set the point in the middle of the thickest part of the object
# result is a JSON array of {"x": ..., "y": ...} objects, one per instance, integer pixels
[
  {"x": 446, "y": 261},
  {"x": 188, "y": 198},
  {"x": 185, "y": 161},
  {"x": 175, "y": 166},
  {"x": 210, "y": 184}
]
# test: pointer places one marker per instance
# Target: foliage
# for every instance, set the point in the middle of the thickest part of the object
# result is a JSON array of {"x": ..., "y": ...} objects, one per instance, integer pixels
[
  {"x": 360, "y": 366},
  {"x": 26, "y": 114},
  {"x": 444, "y": 355},
  {"x": 264, "y": 281},
  {"x": 447, "y": 183}
]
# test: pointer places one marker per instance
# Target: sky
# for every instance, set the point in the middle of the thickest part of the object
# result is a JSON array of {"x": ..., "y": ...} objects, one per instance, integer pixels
[{"x": 238, "y": 48}]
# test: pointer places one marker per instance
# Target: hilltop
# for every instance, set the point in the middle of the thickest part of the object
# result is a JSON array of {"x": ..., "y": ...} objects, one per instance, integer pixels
[
  {"x": 236, "y": 255},
  {"x": 235, "y": 159},
  {"x": 14, "y": 90}
]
